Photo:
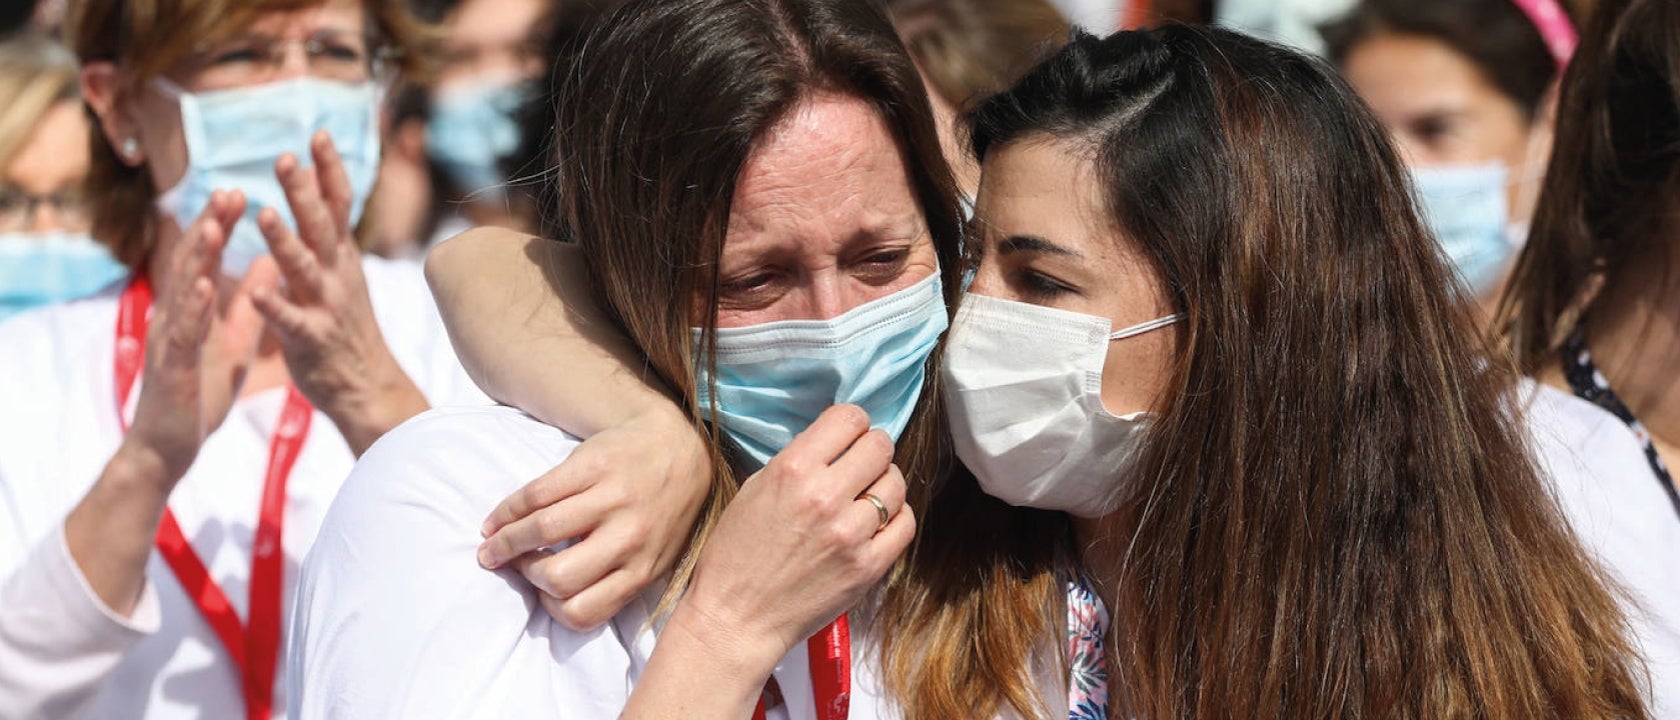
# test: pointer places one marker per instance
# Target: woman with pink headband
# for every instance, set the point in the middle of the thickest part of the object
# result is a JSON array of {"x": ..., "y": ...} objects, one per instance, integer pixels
[
  {"x": 1467, "y": 89},
  {"x": 1471, "y": 90}
]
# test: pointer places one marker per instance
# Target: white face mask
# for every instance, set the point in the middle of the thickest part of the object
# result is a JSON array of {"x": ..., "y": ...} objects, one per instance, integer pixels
[{"x": 1023, "y": 393}]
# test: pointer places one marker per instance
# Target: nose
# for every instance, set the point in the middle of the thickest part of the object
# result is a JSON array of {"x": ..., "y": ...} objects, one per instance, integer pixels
[
  {"x": 45, "y": 218},
  {"x": 293, "y": 61},
  {"x": 826, "y": 297},
  {"x": 988, "y": 279}
]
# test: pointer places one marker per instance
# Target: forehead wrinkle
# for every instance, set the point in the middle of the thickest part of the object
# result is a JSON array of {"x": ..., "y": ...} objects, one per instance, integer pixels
[{"x": 819, "y": 177}]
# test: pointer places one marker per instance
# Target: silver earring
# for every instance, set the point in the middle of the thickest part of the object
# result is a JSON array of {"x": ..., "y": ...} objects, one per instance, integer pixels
[{"x": 130, "y": 148}]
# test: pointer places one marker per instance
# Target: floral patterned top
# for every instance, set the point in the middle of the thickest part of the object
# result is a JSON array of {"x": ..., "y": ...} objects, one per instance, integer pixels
[{"x": 1088, "y": 667}]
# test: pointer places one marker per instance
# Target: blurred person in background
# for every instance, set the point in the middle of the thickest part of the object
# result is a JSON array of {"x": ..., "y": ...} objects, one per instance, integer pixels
[
  {"x": 45, "y": 253},
  {"x": 1468, "y": 88},
  {"x": 404, "y": 211},
  {"x": 449, "y": 140},
  {"x": 533, "y": 192},
  {"x": 168, "y": 447},
  {"x": 1593, "y": 306},
  {"x": 490, "y": 58},
  {"x": 968, "y": 49}
]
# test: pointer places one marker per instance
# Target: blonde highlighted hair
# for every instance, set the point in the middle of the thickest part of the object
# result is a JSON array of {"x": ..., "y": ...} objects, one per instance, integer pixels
[{"x": 36, "y": 75}]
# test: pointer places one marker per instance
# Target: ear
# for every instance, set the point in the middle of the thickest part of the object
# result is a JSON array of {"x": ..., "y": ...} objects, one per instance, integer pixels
[
  {"x": 102, "y": 90},
  {"x": 408, "y": 140}
]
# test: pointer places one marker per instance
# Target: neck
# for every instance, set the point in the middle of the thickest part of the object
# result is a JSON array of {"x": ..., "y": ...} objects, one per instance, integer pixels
[
  {"x": 1633, "y": 332},
  {"x": 268, "y": 368}
]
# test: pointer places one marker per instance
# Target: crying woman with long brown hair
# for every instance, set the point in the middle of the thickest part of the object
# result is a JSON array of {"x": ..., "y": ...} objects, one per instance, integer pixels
[{"x": 1212, "y": 359}]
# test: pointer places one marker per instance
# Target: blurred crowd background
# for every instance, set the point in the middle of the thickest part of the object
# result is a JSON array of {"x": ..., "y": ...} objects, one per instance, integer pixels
[{"x": 1461, "y": 82}]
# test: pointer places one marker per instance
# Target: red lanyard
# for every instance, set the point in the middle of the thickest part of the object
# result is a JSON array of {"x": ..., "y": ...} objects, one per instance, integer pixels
[
  {"x": 830, "y": 653},
  {"x": 255, "y": 647}
]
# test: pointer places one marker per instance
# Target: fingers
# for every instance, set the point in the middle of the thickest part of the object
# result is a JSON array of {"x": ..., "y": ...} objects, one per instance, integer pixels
[
  {"x": 573, "y": 571},
  {"x": 296, "y": 259},
  {"x": 864, "y": 462},
  {"x": 553, "y": 486},
  {"x": 242, "y": 324},
  {"x": 890, "y": 490},
  {"x": 303, "y": 193},
  {"x": 289, "y": 320},
  {"x": 334, "y": 180},
  {"x": 827, "y": 438},
  {"x": 203, "y": 244},
  {"x": 190, "y": 296},
  {"x": 839, "y": 440},
  {"x": 544, "y": 527},
  {"x": 883, "y": 549},
  {"x": 596, "y": 604}
]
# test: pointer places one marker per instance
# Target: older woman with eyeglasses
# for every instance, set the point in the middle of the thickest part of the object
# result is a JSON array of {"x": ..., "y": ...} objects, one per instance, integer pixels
[{"x": 168, "y": 447}]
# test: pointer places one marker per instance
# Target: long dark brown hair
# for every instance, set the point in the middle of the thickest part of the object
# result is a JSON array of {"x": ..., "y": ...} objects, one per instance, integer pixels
[
  {"x": 1612, "y": 190},
  {"x": 1335, "y": 515}
]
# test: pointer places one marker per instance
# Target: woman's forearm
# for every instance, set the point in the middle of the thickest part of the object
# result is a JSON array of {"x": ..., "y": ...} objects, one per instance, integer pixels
[
  {"x": 110, "y": 532},
  {"x": 517, "y": 308},
  {"x": 703, "y": 670}
]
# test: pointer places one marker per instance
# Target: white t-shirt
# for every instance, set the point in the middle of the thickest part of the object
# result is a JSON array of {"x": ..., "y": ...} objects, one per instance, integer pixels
[
  {"x": 63, "y": 653},
  {"x": 394, "y": 618},
  {"x": 1623, "y": 518}
]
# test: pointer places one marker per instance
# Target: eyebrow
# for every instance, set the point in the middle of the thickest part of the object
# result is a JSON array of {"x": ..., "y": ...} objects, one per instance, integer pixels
[{"x": 1034, "y": 244}]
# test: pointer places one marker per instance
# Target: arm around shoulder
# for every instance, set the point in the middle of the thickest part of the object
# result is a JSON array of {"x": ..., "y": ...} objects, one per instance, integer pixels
[{"x": 517, "y": 307}]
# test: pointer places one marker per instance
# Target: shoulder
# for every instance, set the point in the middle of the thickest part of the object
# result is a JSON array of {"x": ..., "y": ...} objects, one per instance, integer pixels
[
  {"x": 1575, "y": 439},
  {"x": 393, "y": 615},
  {"x": 465, "y": 458}
]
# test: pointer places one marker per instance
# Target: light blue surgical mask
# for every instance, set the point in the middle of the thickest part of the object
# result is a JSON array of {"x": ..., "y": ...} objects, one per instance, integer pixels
[
  {"x": 472, "y": 128},
  {"x": 39, "y": 269},
  {"x": 235, "y": 136},
  {"x": 774, "y": 379},
  {"x": 1465, "y": 206}
]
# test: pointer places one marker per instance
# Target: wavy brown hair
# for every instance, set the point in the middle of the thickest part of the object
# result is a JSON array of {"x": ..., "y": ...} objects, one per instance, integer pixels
[
  {"x": 1612, "y": 190},
  {"x": 1335, "y": 515}
]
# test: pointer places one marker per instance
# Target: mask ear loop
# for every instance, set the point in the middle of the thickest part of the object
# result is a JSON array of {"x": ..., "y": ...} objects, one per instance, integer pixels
[{"x": 1142, "y": 328}]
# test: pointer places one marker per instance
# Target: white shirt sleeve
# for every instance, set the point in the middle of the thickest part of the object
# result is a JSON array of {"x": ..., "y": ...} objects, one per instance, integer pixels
[
  {"x": 58, "y": 641},
  {"x": 395, "y": 619}
]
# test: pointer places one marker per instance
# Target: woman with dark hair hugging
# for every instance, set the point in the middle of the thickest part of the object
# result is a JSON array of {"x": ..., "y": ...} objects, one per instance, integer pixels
[{"x": 1209, "y": 361}]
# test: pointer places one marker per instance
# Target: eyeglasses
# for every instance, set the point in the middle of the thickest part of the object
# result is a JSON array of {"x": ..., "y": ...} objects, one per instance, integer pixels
[
  {"x": 257, "y": 59},
  {"x": 19, "y": 210}
]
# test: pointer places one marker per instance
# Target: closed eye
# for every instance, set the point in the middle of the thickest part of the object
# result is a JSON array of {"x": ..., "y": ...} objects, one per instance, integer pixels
[{"x": 1039, "y": 286}]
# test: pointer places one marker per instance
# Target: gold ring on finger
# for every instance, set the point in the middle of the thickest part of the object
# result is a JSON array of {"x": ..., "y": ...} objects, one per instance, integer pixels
[{"x": 880, "y": 508}]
